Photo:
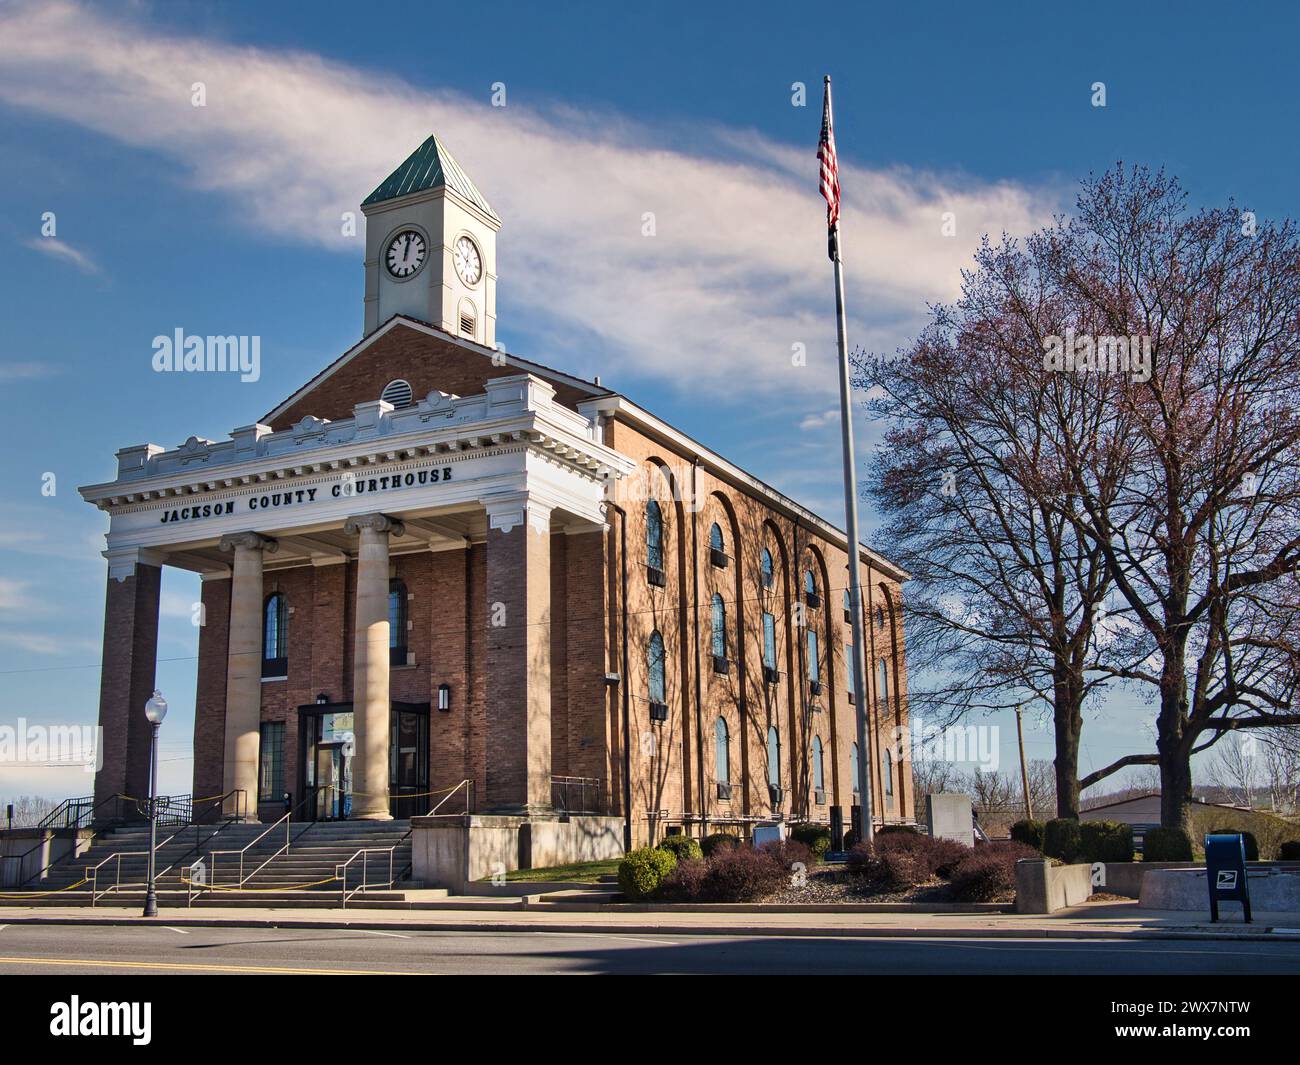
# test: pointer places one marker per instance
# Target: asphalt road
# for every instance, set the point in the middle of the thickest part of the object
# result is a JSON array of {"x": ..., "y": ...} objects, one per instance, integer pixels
[{"x": 55, "y": 949}]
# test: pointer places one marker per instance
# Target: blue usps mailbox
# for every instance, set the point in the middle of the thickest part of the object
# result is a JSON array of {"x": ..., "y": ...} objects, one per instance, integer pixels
[{"x": 1225, "y": 872}]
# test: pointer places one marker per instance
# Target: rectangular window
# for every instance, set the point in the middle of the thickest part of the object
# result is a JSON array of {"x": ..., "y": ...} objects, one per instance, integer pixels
[
  {"x": 769, "y": 640},
  {"x": 884, "y": 683},
  {"x": 814, "y": 667},
  {"x": 848, "y": 669},
  {"x": 270, "y": 777}
]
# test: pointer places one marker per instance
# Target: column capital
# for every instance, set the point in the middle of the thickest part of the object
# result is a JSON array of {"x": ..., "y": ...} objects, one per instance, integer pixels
[
  {"x": 250, "y": 540},
  {"x": 375, "y": 522},
  {"x": 122, "y": 561}
]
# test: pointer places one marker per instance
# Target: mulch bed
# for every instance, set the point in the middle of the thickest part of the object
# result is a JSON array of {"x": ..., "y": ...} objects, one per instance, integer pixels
[{"x": 838, "y": 885}]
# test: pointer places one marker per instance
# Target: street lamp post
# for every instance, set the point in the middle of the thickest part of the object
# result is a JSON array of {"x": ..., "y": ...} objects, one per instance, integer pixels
[{"x": 155, "y": 710}]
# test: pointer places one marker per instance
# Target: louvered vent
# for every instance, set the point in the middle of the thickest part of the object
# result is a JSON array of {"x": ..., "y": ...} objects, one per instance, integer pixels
[
  {"x": 467, "y": 324},
  {"x": 398, "y": 393}
]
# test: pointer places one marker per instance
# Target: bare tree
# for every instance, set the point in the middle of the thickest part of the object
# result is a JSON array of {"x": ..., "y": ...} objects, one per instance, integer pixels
[
  {"x": 1198, "y": 518},
  {"x": 1007, "y": 596}
]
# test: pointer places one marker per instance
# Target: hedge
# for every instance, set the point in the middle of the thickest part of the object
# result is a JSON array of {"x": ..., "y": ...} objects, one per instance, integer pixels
[
  {"x": 642, "y": 871},
  {"x": 1166, "y": 845},
  {"x": 1028, "y": 832},
  {"x": 1106, "y": 841},
  {"x": 1062, "y": 839}
]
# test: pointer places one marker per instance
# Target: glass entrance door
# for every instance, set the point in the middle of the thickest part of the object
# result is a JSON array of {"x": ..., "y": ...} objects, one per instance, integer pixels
[
  {"x": 327, "y": 743},
  {"x": 327, "y": 763}
]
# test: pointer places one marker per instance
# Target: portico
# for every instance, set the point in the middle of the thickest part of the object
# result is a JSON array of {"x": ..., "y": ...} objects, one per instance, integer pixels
[{"x": 501, "y": 472}]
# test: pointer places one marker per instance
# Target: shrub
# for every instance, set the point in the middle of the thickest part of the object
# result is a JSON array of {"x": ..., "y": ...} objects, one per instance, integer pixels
[
  {"x": 1248, "y": 839},
  {"x": 686, "y": 883},
  {"x": 740, "y": 874},
  {"x": 1028, "y": 832},
  {"x": 1105, "y": 841},
  {"x": 989, "y": 871},
  {"x": 899, "y": 860},
  {"x": 1289, "y": 851},
  {"x": 890, "y": 830},
  {"x": 642, "y": 871},
  {"x": 817, "y": 838},
  {"x": 787, "y": 852},
  {"x": 1062, "y": 839},
  {"x": 716, "y": 841},
  {"x": 945, "y": 855},
  {"x": 683, "y": 848},
  {"x": 1166, "y": 845}
]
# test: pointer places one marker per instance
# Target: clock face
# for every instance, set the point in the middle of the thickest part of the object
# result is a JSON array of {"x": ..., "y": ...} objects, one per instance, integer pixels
[
  {"x": 406, "y": 253},
  {"x": 469, "y": 264}
]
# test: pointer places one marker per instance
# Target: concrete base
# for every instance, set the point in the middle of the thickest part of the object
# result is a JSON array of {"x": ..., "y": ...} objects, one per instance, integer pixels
[
  {"x": 1185, "y": 889},
  {"x": 455, "y": 851},
  {"x": 1042, "y": 887}
]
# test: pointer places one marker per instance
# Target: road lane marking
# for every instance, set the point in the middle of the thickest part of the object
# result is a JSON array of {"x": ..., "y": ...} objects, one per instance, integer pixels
[
  {"x": 603, "y": 935},
  {"x": 181, "y": 931},
  {"x": 193, "y": 967},
  {"x": 374, "y": 932}
]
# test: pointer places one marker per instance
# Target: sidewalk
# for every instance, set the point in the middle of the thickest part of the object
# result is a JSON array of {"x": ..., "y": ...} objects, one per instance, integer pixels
[{"x": 1111, "y": 920}]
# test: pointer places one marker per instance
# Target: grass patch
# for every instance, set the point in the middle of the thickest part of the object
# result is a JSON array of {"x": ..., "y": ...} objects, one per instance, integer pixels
[{"x": 577, "y": 872}]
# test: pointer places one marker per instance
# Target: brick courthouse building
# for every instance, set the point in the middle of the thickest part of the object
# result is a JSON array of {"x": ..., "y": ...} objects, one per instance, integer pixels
[{"x": 438, "y": 562}]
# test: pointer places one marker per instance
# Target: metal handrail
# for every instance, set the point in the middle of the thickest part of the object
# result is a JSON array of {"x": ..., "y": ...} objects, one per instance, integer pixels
[
  {"x": 341, "y": 871},
  {"x": 257, "y": 839},
  {"x": 92, "y": 875}
]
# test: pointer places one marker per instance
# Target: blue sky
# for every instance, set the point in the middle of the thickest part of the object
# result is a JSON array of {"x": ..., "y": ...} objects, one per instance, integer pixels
[{"x": 224, "y": 219}]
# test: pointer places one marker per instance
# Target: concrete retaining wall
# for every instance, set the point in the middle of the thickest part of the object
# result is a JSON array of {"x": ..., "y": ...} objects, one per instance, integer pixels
[
  {"x": 24, "y": 852},
  {"x": 453, "y": 852},
  {"x": 1042, "y": 887},
  {"x": 1185, "y": 889}
]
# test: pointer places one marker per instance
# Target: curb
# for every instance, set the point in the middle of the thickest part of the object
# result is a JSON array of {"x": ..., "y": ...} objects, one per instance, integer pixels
[{"x": 784, "y": 931}]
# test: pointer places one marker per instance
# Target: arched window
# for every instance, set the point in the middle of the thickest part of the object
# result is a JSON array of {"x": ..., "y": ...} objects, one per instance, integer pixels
[
  {"x": 853, "y": 768},
  {"x": 810, "y": 582},
  {"x": 773, "y": 758},
  {"x": 767, "y": 571},
  {"x": 887, "y": 770},
  {"x": 819, "y": 776},
  {"x": 654, "y": 536},
  {"x": 397, "y": 627},
  {"x": 275, "y": 636},
  {"x": 722, "y": 751},
  {"x": 718, "y": 618},
  {"x": 655, "y": 667},
  {"x": 716, "y": 542}
]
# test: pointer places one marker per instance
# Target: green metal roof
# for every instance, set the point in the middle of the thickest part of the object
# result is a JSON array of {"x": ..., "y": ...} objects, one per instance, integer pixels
[{"x": 430, "y": 166}]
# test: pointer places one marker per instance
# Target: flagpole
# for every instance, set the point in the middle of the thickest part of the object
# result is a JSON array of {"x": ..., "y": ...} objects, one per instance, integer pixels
[{"x": 851, "y": 529}]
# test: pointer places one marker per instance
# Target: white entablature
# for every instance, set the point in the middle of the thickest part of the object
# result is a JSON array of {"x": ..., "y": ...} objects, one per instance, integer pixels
[{"x": 442, "y": 456}]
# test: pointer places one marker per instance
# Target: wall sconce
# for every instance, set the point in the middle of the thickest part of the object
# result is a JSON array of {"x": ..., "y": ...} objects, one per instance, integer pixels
[
  {"x": 322, "y": 699},
  {"x": 444, "y": 697}
]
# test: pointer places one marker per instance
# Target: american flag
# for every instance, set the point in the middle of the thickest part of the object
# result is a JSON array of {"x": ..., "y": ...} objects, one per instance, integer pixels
[{"x": 830, "y": 170}]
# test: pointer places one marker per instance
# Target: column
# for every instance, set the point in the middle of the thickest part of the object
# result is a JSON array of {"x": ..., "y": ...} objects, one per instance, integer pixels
[
  {"x": 244, "y": 667},
  {"x": 519, "y": 656},
  {"x": 370, "y": 661},
  {"x": 127, "y": 675}
]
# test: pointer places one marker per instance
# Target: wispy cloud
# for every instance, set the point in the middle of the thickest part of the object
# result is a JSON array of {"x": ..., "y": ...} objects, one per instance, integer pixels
[
  {"x": 734, "y": 277},
  {"x": 820, "y": 420},
  {"x": 26, "y": 371},
  {"x": 64, "y": 252},
  {"x": 13, "y": 595}
]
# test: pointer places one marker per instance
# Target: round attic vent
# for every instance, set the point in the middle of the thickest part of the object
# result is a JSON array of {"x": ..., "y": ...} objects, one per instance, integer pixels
[{"x": 398, "y": 393}]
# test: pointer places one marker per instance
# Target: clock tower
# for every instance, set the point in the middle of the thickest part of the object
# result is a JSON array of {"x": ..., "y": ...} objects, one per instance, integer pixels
[{"x": 431, "y": 248}]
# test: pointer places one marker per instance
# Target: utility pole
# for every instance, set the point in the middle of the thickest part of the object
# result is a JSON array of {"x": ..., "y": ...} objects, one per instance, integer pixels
[{"x": 1024, "y": 770}]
